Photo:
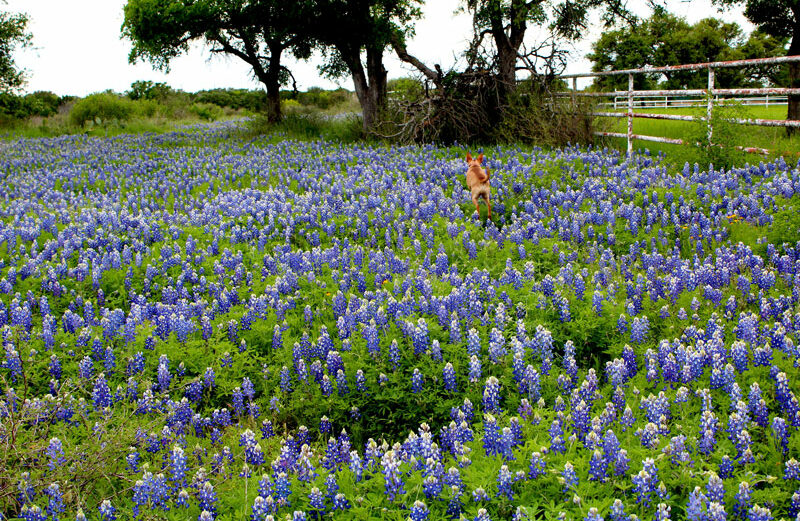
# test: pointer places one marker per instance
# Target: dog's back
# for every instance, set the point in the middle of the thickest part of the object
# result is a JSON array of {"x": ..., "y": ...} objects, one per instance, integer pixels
[{"x": 478, "y": 182}]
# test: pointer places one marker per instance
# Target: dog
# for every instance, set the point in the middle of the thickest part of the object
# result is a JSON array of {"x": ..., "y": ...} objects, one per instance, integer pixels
[{"x": 478, "y": 182}]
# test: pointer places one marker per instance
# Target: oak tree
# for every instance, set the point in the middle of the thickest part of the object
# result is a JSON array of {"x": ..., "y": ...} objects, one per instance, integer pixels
[
  {"x": 14, "y": 35},
  {"x": 258, "y": 32}
]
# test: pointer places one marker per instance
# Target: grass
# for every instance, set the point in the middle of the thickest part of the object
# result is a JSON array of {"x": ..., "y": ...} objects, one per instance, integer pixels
[
  {"x": 774, "y": 139},
  {"x": 59, "y": 125}
]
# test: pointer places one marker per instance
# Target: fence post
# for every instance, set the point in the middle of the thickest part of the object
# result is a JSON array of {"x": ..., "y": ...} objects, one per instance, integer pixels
[
  {"x": 574, "y": 90},
  {"x": 630, "y": 113},
  {"x": 710, "y": 109}
]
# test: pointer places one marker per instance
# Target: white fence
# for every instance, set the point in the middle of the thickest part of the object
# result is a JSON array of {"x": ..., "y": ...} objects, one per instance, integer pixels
[
  {"x": 664, "y": 102},
  {"x": 709, "y": 96}
]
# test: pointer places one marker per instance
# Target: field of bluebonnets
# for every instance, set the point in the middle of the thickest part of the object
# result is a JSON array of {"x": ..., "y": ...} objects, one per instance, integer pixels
[{"x": 200, "y": 325}]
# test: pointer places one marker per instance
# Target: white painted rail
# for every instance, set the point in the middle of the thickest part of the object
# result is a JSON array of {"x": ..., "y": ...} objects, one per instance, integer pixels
[{"x": 710, "y": 97}]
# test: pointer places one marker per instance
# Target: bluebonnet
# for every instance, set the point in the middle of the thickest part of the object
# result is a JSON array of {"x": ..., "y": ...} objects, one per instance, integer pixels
[
  {"x": 178, "y": 467},
  {"x": 449, "y": 378},
  {"x": 504, "y": 482},
  {"x": 491, "y": 395},
  {"x": 207, "y": 499},
  {"x": 569, "y": 478},
  {"x": 759, "y": 513},
  {"x": 474, "y": 369},
  {"x": 593, "y": 515},
  {"x": 107, "y": 511},
  {"x": 55, "y": 453},
  {"x": 101, "y": 394},
  {"x": 419, "y": 511},
  {"x": 55, "y": 502},
  {"x": 392, "y": 475}
]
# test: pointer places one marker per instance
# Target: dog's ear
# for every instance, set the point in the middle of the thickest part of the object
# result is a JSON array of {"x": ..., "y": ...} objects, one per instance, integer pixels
[
  {"x": 469, "y": 157},
  {"x": 480, "y": 158}
]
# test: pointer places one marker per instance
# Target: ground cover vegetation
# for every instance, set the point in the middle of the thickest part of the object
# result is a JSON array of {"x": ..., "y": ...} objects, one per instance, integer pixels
[{"x": 202, "y": 324}]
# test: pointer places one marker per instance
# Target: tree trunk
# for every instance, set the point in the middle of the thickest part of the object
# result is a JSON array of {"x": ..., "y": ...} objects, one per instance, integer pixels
[
  {"x": 370, "y": 84},
  {"x": 507, "y": 64},
  {"x": 793, "y": 111},
  {"x": 273, "y": 84},
  {"x": 376, "y": 74},
  {"x": 274, "y": 114}
]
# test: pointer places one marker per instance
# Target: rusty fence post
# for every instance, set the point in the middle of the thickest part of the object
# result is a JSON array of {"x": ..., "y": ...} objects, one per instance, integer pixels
[
  {"x": 710, "y": 108},
  {"x": 574, "y": 90},
  {"x": 630, "y": 113}
]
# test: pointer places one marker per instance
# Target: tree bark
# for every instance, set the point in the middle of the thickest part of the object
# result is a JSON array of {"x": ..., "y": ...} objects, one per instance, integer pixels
[
  {"x": 508, "y": 44},
  {"x": 376, "y": 74},
  {"x": 370, "y": 84},
  {"x": 273, "y": 83}
]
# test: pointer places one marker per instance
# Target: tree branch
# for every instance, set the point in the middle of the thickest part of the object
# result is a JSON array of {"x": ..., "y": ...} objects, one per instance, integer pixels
[{"x": 402, "y": 53}]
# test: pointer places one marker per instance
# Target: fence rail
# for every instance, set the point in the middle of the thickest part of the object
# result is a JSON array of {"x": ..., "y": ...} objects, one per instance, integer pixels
[
  {"x": 668, "y": 102},
  {"x": 712, "y": 96}
]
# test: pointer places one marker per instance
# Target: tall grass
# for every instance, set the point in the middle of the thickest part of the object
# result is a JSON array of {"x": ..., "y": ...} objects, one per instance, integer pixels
[
  {"x": 344, "y": 128},
  {"x": 774, "y": 139}
]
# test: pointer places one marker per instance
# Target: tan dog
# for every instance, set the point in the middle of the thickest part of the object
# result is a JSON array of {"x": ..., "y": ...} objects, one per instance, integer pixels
[{"x": 478, "y": 182}]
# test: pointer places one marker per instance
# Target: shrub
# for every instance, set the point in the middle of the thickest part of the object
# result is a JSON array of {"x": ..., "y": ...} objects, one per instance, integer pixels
[
  {"x": 206, "y": 111},
  {"x": 149, "y": 90},
  {"x": 405, "y": 89},
  {"x": 104, "y": 107},
  {"x": 42, "y": 103},
  {"x": 12, "y": 106},
  {"x": 535, "y": 114}
]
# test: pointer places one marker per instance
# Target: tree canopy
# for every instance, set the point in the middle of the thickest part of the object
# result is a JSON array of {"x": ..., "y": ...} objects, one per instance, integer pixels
[
  {"x": 257, "y": 32},
  {"x": 779, "y": 19},
  {"x": 14, "y": 35},
  {"x": 665, "y": 39},
  {"x": 354, "y": 34}
]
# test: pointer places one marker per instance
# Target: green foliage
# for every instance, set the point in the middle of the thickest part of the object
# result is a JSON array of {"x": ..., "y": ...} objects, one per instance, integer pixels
[
  {"x": 774, "y": 17},
  {"x": 256, "y": 32},
  {"x": 104, "y": 107},
  {"x": 252, "y": 100},
  {"x": 206, "y": 111},
  {"x": 318, "y": 97},
  {"x": 721, "y": 152},
  {"x": 305, "y": 126},
  {"x": 149, "y": 90},
  {"x": 40, "y": 103},
  {"x": 405, "y": 89},
  {"x": 14, "y": 35},
  {"x": 665, "y": 39}
]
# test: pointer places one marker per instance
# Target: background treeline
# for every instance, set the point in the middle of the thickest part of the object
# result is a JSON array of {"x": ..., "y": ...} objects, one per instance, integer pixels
[{"x": 147, "y": 100}]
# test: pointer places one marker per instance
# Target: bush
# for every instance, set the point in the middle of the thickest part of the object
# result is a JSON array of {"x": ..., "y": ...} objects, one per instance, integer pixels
[
  {"x": 252, "y": 100},
  {"x": 534, "y": 114},
  {"x": 469, "y": 108},
  {"x": 405, "y": 89},
  {"x": 12, "y": 106},
  {"x": 42, "y": 103},
  {"x": 104, "y": 107},
  {"x": 148, "y": 90},
  {"x": 725, "y": 132},
  {"x": 206, "y": 111},
  {"x": 317, "y": 97}
]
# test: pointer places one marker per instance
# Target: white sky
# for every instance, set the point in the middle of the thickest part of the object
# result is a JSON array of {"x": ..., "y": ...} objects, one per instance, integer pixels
[{"x": 78, "y": 49}]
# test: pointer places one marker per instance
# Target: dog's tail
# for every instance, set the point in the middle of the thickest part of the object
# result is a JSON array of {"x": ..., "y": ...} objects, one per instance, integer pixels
[{"x": 488, "y": 175}]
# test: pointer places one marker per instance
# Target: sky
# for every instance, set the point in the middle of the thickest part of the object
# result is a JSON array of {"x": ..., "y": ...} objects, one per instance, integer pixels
[{"x": 77, "y": 48}]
